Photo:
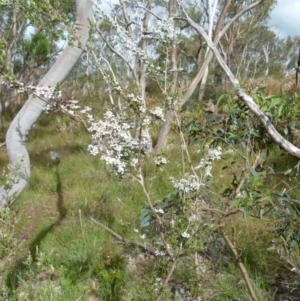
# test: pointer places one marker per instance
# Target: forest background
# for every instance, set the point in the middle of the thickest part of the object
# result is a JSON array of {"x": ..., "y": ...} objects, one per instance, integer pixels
[{"x": 165, "y": 167}]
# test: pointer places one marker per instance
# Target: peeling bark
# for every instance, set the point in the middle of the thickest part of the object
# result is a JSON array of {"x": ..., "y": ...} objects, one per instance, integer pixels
[{"x": 17, "y": 133}]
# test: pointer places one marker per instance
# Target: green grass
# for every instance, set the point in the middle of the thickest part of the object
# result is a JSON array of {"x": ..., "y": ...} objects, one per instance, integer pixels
[{"x": 55, "y": 252}]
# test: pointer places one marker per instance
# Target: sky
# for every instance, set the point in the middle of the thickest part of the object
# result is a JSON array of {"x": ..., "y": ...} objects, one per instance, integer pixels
[{"x": 285, "y": 18}]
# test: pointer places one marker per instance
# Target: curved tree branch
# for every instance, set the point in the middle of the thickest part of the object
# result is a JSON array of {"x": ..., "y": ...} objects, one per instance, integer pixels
[
  {"x": 218, "y": 33},
  {"x": 217, "y": 36},
  {"x": 17, "y": 133},
  {"x": 247, "y": 99}
]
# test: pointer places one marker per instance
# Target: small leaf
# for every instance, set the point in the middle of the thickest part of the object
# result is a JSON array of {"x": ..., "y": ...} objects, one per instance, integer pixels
[
  {"x": 290, "y": 208},
  {"x": 145, "y": 224},
  {"x": 280, "y": 110},
  {"x": 288, "y": 171},
  {"x": 252, "y": 171},
  {"x": 274, "y": 102},
  {"x": 236, "y": 202}
]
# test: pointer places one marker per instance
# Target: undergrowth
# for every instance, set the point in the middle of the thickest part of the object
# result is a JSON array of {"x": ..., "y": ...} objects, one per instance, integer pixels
[{"x": 50, "y": 249}]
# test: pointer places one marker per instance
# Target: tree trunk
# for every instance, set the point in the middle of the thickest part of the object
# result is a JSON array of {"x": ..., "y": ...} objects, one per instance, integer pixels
[
  {"x": 170, "y": 114},
  {"x": 247, "y": 99},
  {"x": 17, "y": 133}
]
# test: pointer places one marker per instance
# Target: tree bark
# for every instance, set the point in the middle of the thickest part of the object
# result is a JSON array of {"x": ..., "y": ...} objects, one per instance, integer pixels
[{"x": 17, "y": 133}]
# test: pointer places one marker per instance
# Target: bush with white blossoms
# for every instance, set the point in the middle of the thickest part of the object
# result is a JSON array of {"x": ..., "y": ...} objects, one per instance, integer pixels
[
  {"x": 165, "y": 31},
  {"x": 158, "y": 113},
  {"x": 187, "y": 184},
  {"x": 119, "y": 140},
  {"x": 46, "y": 93},
  {"x": 205, "y": 164},
  {"x": 113, "y": 140}
]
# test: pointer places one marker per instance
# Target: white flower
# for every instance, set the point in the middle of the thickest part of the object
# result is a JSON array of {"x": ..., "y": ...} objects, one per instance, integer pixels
[
  {"x": 136, "y": 230},
  {"x": 159, "y": 253},
  {"x": 159, "y": 211},
  {"x": 165, "y": 31},
  {"x": 158, "y": 112},
  {"x": 215, "y": 153},
  {"x": 206, "y": 161},
  {"x": 187, "y": 184},
  {"x": 185, "y": 235},
  {"x": 160, "y": 161},
  {"x": 93, "y": 150}
]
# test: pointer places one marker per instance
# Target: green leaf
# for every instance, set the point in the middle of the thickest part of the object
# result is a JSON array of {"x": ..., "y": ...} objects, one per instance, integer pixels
[
  {"x": 145, "y": 219},
  {"x": 288, "y": 171},
  {"x": 236, "y": 202},
  {"x": 252, "y": 171},
  {"x": 274, "y": 102},
  {"x": 145, "y": 223},
  {"x": 290, "y": 208},
  {"x": 280, "y": 110}
]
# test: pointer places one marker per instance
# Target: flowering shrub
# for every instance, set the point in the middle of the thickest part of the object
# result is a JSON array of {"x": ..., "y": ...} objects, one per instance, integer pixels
[
  {"x": 47, "y": 93},
  {"x": 165, "y": 31},
  {"x": 113, "y": 140}
]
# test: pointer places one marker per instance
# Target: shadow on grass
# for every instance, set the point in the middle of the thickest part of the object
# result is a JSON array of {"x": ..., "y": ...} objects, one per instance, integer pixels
[
  {"x": 42, "y": 154},
  {"x": 20, "y": 267}
]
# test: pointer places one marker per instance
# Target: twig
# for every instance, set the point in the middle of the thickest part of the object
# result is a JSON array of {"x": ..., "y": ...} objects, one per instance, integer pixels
[
  {"x": 240, "y": 264},
  {"x": 147, "y": 248},
  {"x": 171, "y": 271},
  {"x": 242, "y": 182}
]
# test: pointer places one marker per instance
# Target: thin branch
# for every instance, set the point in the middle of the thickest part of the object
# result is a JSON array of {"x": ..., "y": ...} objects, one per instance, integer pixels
[
  {"x": 209, "y": 56},
  {"x": 240, "y": 264},
  {"x": 117, "y": 53},
  {"x": 147, "y": 248}
]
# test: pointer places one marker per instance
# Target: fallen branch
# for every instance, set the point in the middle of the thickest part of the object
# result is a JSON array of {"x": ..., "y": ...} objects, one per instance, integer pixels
[{"x": 147, "y": 248}]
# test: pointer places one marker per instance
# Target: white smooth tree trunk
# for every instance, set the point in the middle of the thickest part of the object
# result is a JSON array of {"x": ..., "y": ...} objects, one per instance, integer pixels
[
  {"x": 17, "y": 133},
  {"x": 247, "y": 99}
]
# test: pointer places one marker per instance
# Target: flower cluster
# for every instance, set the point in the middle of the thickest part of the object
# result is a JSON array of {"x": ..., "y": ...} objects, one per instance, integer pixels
[
  {"x": 172, "y": 101},
  {"x": 42, "y": 92},
  {"x": 123, "y": 38},
  {"x": 159, "y": 160},
  {"x": 112, "y": 139},
  {"x": 187, "y": 184},
  {"x": 185, "y": 234},
  {"x": 68, "y": 107},
  {"x": 206, "y": 162},
  {"x": 158, "y": 113},
  {"x": 136, "y": 102},
  {"x": 165, "y": 31}
]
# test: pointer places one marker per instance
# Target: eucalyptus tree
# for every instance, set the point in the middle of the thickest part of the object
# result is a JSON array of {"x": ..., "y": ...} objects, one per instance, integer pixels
[
  {"x": 19, "y": 128},
  {"x": 219, "y": 21},
  {"x": 144, "y": 40},
  {"x": 29, "y": 32},
  {"x": 247, "y": 99}
]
